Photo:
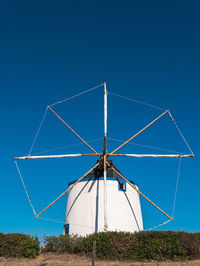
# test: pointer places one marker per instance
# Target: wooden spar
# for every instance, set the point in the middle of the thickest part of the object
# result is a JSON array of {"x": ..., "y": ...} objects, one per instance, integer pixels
[
  {"x": 105, "y": 192},
  {"x": 66, "y": 191},
  {"x": 72, "y": 130},
  {"x": 105, "y": 158},
  {"x": 154, "y": 155},
  {"x": 105, "y": 119},
  {"x": 139, "y": 192},
  {"x": 139, "y": 132},
  {"x": 105, "y": 110},
  {"x": 55, "y": 156},
  {"x": 93, "y": 154}
]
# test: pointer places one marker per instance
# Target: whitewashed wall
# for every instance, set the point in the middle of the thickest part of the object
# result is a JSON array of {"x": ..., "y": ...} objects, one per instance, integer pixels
[{"x": 85, "y": 208}]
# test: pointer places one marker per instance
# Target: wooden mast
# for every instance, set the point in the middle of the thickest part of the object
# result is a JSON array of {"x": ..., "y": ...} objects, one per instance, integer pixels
[{"x": 105, "y": 158}]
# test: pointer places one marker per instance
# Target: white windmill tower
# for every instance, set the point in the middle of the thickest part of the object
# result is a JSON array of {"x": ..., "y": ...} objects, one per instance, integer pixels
[{"x": 103, "y": 199}]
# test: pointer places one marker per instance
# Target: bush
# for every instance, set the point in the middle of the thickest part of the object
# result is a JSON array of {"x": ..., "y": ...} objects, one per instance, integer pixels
[
  {"x": 157, "y": 245},
  {"x": 19, "y": 245}
]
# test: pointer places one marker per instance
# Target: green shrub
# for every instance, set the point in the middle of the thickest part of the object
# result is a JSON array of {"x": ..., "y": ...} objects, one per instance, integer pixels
[
  {"x": 19, "y": 245},
  {"x": 155, "y": 245},
  {"x": 63, "y": 243}
]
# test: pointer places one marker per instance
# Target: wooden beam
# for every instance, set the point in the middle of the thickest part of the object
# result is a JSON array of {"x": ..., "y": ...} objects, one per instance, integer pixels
[
  {"x": 140, "y": 192},
  {"x": 153, "y": 155},
  {"x": 66, "y": 191},
  {"x": 105, "y": 192},
  {"x": 54, "y": 156},
  {"x": 72, "y": 130},
  {"x": 105, "y": 159},
  {"x": 138, "y": 132}
]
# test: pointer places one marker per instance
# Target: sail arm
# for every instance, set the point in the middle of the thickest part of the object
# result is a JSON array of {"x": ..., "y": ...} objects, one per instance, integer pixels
[
  {"x": 69, "y": 188},
  {"x": 154, "y": 155},
  {"x": 55, "y": 156},
  {"x": 152, "y": 122},
  {"x": 134, "y": 187},
  {"x": 71, "y": 130}
]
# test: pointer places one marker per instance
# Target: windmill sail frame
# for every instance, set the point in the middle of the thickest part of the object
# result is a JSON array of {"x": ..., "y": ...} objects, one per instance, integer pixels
[{"x": 104, "y": 161}]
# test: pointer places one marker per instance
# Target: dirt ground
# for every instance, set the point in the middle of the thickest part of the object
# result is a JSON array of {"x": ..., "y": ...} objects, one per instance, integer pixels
[{"x": 74, "y": 260}]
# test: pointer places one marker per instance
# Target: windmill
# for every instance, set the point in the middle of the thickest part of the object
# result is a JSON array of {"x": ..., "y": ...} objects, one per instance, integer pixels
[{"x": 103, "y": 198}]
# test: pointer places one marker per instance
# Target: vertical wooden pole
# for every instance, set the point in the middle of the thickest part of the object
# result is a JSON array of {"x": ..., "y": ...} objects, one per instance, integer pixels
[
  {"x": 105, "y": 193},
  {"x": 105, "y": 159},
  {"x": 93, "y": 252}
]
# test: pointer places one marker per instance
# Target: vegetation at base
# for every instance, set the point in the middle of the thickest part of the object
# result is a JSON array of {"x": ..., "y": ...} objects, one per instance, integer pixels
[
  {"x": 19, "y": 245},
  {"x": 142, "y": 246},
  {"x": 155, "y": 245}
]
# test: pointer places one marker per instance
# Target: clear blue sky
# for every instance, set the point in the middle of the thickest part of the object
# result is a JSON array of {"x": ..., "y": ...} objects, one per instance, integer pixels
[{"x": 50, "y": 50}]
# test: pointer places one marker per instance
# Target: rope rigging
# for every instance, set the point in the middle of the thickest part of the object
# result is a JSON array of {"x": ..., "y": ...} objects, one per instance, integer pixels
[
  {"x": 174, "y": 202},
  {"x": 42, "y": 121},
  {"x": 111, "y": 154},
  {"x": 27, "y": 194},
  {"x": 50, "y": 220},
  {"x": 180, "y": 132},
  {"x": 37, "y": 133},
  {"x": 176, "y": 189},
  {"x": 146, "y": 146},
  {"x": 68, "y": 146},
  {"x": 136, "y": 101},
  {"x": 79, "y": 94}
]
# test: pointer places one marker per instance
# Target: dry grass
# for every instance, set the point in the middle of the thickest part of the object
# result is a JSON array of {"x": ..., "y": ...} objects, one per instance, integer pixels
[{"x": 52, "y": 259}]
